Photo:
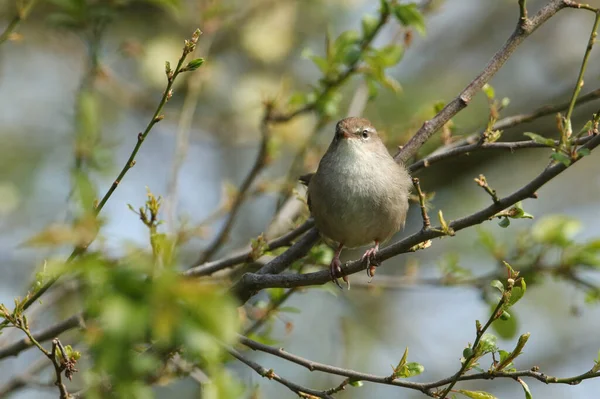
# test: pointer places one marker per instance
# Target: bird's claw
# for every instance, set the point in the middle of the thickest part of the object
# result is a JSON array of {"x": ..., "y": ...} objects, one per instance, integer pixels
[
  {"x": 372, "y": 264},
  {"x": 335, "y": 271}
]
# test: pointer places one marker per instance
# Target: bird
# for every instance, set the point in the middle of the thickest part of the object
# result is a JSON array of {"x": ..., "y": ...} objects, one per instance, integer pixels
[{"x": 359, "y": 193}]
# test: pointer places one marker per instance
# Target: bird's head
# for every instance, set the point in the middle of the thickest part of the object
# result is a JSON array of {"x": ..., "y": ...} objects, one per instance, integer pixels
[{"x": 355, "y": 129}]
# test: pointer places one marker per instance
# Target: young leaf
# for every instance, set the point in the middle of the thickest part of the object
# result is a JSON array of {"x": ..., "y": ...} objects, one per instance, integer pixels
[
  {"x": 489, "y": 91},
  {"x": 369, "y": 24},
  {"x": 390, "y": 55},
  {"x": 540, "y": 139},
  {"x": 517, "y": 292},
  {"x": 562, "y": 158},
  {"x": 525, "y": 388},
  {"x": 556, "y": 230},
  {"x": 582, "y": 152},
  {"x": 356, "y": 384},
  {"x": 194, "y": 64},
  {"x": 506, "y": 328},
  {"x": 409, "y": 15},
  {"x": 487, "y": 343},
  {"x": 411, "y": 369},
  {"x": 477, "y": 394},
  {"x": 498, "y": 285}
]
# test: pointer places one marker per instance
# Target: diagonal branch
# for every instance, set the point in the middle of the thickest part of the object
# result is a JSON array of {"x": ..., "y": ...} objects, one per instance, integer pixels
[
  {"x": 208, "y": 268},
  {"x": 259, "y": 163},
  {"x": 253, "y": 282},
  {"x": 522, "y": 31},
  {"x": 270, "y": 374},
  {"x": 75, "y": 321}
]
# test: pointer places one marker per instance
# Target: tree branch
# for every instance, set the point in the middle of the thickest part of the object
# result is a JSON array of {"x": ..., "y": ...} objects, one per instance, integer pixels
[
  {"x": 209, "y": 268},
  {"x": 467, "y": 149},
  {"x": 259, "y": 163},
  {"x": 270, "y": 374},
  {"x": 253, "y": 282},
  {"x": 424, "y": 387},
  {"x": 75, "y": 321},
  {"x": 431, "y": 126}
]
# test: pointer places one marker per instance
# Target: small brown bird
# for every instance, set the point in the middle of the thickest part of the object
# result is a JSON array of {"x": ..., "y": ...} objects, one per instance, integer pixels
[{"x": 359, "y": 194}]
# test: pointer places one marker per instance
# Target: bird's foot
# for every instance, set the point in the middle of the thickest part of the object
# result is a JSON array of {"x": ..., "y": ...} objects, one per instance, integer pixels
[
  {"x": 335, "y": 270},
  {"x": 369, "y": 256}
]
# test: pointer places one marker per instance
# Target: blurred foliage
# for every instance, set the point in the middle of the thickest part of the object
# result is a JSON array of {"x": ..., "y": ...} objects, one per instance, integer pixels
[{"x": 140, "y": 311}]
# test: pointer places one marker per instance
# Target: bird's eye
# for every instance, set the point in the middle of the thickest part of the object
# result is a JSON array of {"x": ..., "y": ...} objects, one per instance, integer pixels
[{"x": 365, "y": 134}]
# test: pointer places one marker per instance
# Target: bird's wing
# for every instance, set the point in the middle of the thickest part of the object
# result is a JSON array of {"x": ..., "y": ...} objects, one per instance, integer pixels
[{"x": 305, "y": 180}]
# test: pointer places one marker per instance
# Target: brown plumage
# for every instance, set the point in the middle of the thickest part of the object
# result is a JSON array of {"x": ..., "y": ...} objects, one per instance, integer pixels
[{"x": 359, "y": 194}]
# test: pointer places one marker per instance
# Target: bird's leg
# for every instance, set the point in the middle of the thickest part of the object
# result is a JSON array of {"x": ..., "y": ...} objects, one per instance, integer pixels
[
  {"x": 369, "y": 255},
  {"x": 335, "y": 268}
]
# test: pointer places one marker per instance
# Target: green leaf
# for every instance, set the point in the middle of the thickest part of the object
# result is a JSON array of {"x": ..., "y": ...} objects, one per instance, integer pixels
[
  {"x": 390, "y": 55},
  {"x": 519, "y": 213},
  {"x": 357, "y": 384},
  {"x": 488, "y": 240},
  {"x": 504, "y": 223},
  {"x": 194, "y": 64},
  {"x": 586, "y": 127},
  {"x": 384, "y": 7},
  {"x": 275, "y": 293},
  {"x": 583, "y": 151},
  {"x": 487, "y": 343},
  {"x": 477, "y": 394},
  {"x": 503, "y": 356},
  {"x": 344, "y": 44},
  {"x": 525, "y": 388},
  {"x": 407, "y": 370},
  {"x": 409, "y": 15},
  {"x": 498, "y": 285},
  {"x": 321, "y": 63},
  {"x": 562, "y": 158},
  {"x": 596, "y": 367},
  {"x": 411, "y": 369},
  {"x": 85, "y": 190},
  {"x": 540, "y": 139},
  {"x": 555, "y": 230},
  {"x": 402, "y": 361},
  {"x": 489, "y": 91},
  {"x": 369, "y": 24},
  {"x": 372, "y": 86},
  {"x": 506, "y": 328},
  {"x": 517, "y": 292},
  {"x": 289, "y": 309}
]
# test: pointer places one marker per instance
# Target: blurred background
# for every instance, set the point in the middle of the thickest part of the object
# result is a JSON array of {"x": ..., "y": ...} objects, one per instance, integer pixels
[{"x": 209, "y": 138}]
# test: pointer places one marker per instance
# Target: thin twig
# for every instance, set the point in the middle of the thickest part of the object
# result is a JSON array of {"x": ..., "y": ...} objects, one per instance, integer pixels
[
  {"x": 331, "y": 84},
  {"x": 273, "y": 306},
  {"x": 270, "y": 374},
  {"x": 586, "y": 57},
  {"x": 497, "y": 146},
  {"x": 462, "y": 100},
  {"x": 75, "y": 321},
  {"x": 209, "y": 268},
  {"x": 474, "y": 349},
  {"x": 424, "y": 216},
  {"x": 425, "y": 387},
  {"x": 157, "y": 117},
  {"x": 482, "y": 182},
  {"x": 194, "y": 85},
  {"x": 259, "y": 163},
  {"x": 20, "y": 16}
]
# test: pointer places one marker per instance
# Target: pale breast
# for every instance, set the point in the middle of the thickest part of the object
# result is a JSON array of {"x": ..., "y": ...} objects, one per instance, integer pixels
[{"x": 360, "y": 200}]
